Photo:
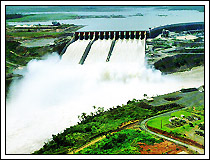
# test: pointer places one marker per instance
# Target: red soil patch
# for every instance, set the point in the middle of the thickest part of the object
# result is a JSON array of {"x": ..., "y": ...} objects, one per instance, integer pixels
[
  {"x": 184, "y": 140},
  {"x": 165, "y": 147}
]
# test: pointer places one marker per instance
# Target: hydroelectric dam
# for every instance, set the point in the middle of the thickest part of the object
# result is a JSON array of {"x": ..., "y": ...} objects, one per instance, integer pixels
[{"x": 105, "y": 46}]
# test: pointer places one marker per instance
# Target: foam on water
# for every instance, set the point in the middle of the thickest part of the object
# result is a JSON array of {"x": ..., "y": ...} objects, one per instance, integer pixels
[{"x": 54, "y": 91}]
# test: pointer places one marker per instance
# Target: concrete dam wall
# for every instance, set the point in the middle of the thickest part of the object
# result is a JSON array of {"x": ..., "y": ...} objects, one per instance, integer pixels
[
  {"x": 110, "y": 35},
  {"x": 154, "y": 32},
  {"x": 92, "y": 47}
]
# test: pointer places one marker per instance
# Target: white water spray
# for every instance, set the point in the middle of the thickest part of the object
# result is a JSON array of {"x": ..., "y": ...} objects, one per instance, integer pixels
[{"x": 54, "y": 92}]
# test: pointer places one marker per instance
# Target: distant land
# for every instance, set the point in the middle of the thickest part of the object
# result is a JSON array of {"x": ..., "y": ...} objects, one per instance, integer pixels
[{"x": 22, "y": 9}]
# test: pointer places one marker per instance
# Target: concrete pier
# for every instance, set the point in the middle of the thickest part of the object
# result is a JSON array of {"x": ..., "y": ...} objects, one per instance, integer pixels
[{"x": 87, "y": 50}]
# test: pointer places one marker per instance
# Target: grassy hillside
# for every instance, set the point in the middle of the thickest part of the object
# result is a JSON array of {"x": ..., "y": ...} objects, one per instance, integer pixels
[
  {"x": 190, "y": 126},
  {"x": 115, "y": 119},
  {"x": 189, "y": 122},
  {"x": 123, "y": 142}
]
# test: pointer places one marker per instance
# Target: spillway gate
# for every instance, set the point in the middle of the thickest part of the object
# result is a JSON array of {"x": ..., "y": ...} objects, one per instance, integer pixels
[
  {"x": 110, "y": 35},
  {"x": 100, "y": 35}
]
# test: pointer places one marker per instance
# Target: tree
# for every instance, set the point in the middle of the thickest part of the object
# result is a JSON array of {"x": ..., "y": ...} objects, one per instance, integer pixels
[
  {"x": 100, "y": 110},
  {"x": 191, "y": 125},
  {"x": 94, "y": 107},
  {"x": 94, "y": 129},
  {"x": 84, "y": 116},
  {"x": 145, "y": 95}
]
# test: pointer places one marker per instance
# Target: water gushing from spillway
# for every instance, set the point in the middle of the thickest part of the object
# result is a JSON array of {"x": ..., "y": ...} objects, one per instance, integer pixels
[
  {"x": 98, "y": 52},
  {"x": 74, "y": 53},
  {"x": 129, "y": 51},
  {"x": 54, "y": 91}
]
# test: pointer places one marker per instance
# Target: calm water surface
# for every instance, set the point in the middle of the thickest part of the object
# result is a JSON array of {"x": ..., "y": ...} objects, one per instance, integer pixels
[{"x": 152, "y": 17}]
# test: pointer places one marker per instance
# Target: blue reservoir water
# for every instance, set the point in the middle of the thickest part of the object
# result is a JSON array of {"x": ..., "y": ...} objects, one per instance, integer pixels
[{"x": 152, "y": 17}]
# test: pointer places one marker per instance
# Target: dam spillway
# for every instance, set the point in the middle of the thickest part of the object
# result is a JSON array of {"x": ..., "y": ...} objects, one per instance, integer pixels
[{"x": 106, "y": 46}]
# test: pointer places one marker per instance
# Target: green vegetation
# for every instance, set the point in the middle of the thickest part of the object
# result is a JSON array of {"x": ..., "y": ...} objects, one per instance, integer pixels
[
  {"x": 17, "y": 9},
  {"x": 138, "y": 14},
  {"x": 171, "y": 54},
  {"x": 181, "y": 122},
  {"x": 123, "y": 142},
  {"x": 55, "y": 8},
  {"x": 17, "y": 56},
  {"x": 181, "y": 62},
  {"x": 189, "y": 50},
  {"x": 101, "y": 123},
  {"x": 14, "y": 16},
  {"x": 27, "y": 35},
  {"x": 162, "y": 15},
  {"x": 198, "y": 8},
  {"x": 193, "y": 115},
  {"x": 190, "y": 99},
  {"x": 161, "y": 44},
  {"x": 44, "y": 17},
  {"x": 182, "y": 44},
  {"x": 56, "y": 16},
  {"x": 172, "y": 98}
]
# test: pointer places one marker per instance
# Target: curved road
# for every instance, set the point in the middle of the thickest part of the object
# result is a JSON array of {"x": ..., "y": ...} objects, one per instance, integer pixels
[{"x": 143, "y": 127}]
